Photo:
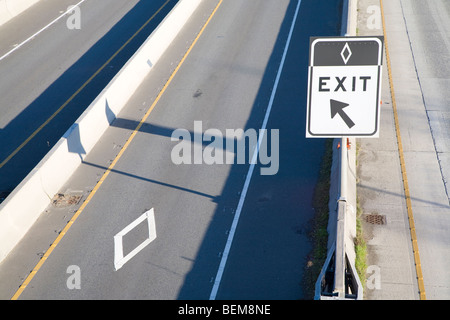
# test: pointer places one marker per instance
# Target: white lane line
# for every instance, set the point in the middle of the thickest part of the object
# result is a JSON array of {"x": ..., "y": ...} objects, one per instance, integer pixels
[
  {"x": 237, "y": 214},
  {"x": 70, "y": 9},
  {"x": 119, "y": 259}
]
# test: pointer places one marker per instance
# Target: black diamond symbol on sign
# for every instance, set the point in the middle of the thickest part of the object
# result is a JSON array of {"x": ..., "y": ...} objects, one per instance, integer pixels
[{"x": 346, "y": 53}]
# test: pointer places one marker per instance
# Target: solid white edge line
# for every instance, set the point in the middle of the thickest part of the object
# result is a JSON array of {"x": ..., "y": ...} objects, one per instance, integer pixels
[
  {"x": 43, "y": 29},
  {"x": 237, "y": 214}
]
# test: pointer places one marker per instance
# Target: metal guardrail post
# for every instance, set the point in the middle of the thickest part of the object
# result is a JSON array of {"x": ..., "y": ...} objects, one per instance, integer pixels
[
  {"x": 340, "y": 263},
  {"x": 343, "y": 170}
]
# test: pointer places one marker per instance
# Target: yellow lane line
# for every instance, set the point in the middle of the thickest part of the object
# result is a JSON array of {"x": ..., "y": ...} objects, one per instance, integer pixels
[
  {"x": 412, "y": 227},
  {"x": 113, "y": 164},
  {"x": 24, "y": 143}
]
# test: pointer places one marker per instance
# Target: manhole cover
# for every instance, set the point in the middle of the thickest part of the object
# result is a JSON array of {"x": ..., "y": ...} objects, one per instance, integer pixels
[
  {"x": 375, "y": 219},
  {"x": 65, "y": 200}
]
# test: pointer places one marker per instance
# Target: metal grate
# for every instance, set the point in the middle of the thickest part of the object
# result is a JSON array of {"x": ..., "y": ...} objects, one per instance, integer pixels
[{"x": 375, "y": 219}]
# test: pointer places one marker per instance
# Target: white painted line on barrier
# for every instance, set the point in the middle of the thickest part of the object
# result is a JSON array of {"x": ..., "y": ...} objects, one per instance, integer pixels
[
  {"x": 226, "y": 251},
  {"x": 119, "y": 259},
  {"x": 17, "y": 46}
]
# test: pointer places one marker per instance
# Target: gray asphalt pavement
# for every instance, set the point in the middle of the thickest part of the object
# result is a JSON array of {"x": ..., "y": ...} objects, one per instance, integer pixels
[
  {"x": 424, "y": 124},
  {"x": 45, "y": 73},
  {"x": 419, "y": 51},
  {"x": 226, "y": 83}
]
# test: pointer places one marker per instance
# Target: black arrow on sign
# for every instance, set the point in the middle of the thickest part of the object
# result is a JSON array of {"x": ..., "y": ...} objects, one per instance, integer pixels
[{"x": 337, "y": 107}]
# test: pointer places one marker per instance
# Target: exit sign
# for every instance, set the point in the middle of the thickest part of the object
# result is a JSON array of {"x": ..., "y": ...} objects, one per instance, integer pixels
[{"x": 344, "y": 84}]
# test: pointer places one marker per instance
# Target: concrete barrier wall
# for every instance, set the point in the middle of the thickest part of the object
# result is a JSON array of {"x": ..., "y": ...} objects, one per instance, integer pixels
[
  {"x": 350, "y": 217},
  {"x": 348, "y": 29},
  {"x": 342, "y": 207},
  {"x": 31, "y": 197},
  {"x": 350, "y": 171},
  {"x": 11, "y": 8}
]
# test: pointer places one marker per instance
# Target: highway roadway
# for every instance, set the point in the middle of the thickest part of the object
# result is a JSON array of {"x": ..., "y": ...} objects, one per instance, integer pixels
[
  {"x": 416, "y": 35},
  {"x": 425, "y": 125},
  {"x": 221, "y": 231},
  {"x": 51, "y": 73}
]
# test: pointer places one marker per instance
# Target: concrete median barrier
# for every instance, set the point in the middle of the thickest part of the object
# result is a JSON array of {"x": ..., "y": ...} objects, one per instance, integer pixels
[
  {"x": 11, "y": 8},
  {"x": 340, "y": 263},
  {"x": 30, "y": 198}
]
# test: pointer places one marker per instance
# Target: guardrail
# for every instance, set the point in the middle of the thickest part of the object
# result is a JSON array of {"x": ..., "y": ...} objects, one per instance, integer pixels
[{"x": 338, "y": 278}]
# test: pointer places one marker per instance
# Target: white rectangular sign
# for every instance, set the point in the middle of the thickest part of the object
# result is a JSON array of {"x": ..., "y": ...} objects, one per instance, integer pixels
[{"x": 344, "y": 82}]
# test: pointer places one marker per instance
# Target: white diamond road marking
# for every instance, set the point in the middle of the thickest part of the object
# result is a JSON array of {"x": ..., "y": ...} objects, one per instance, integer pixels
[{"x": 119, "y": 259}]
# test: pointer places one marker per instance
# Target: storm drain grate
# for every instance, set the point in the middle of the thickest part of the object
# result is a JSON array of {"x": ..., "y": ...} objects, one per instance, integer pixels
[
  {"x": 375, "y": 219},
  {"x": 64, "y": 200}
]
